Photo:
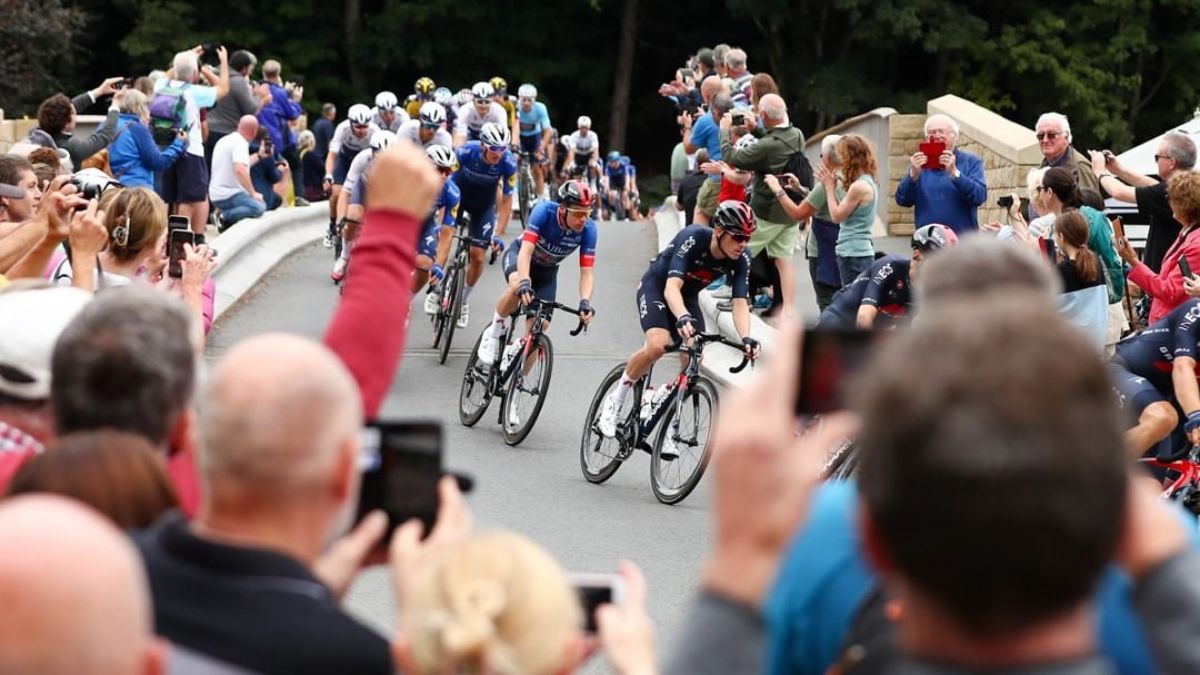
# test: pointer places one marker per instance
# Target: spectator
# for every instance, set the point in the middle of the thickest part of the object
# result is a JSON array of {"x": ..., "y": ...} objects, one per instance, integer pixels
[
  {"x": 735, "y": 61},
  {"x": 314, "y": 166},
  {"x": 822, "y": 236},
  {"x": 116, "y": 473},
  {"x": 706, "y": 134},
  {"x": 776, "y": 232},
  {"x": 706, "y": 65},
  {"x": 57, "y": 118},
  {"x": 265, "y": 174},
  {"x": 185, "y": 183},
  {"x": 17, "y": 172},
  {"x": 323, "y": 130},
  {"x": 719, "y": 53},
  {"x": 241, "y": 101},
  {"x": 679, "y": 166},
  {"x": 232, "y": 191},
  {"x": 48, "y": 157},
  {"x": 133, "y": 154},
  {"x": 1084, "y": 299},
  {"x": 855, "y": 214},
  {"x": 135, "y": 224},
  {"x": 689, "y": 188},
  {"x": 761, "y": 85},
  {"x": 950, "y": 194},
  {"x": 1054, "y": 139},
  {"x": 1042, "y": 225},
  {"x": 1166, "y": 288},
  {"x": 1176, "y": 152},
  {"x": 102, "y": 612},
  {"x": 277, "y": 117},
  {"x": 27, "y": 249}
]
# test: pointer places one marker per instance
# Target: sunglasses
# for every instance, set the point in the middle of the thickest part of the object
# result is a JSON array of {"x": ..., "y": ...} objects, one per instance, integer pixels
[
  {"x": 526, "y": 99},
  {"x": 361, "y": 126},
  {"x": 430, "y": 126},
  {"x": 739, "y": 238},
  {"x": 495, "y": 148},
  {"x": 1048, "y": 134},
  {"x": 579, "y": 212},
  {"x": 482, "y": 101},
  {"x": 1158, "y": 157},
  {"x": 1040, "y": 188}
]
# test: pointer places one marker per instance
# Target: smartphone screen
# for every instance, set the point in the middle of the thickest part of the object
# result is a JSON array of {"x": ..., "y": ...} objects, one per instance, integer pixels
[
  {"x": 179, "y": 223},
  {"x": 829, "y": 359},
  {"x": 401, "y": 466},
  {"x": 595, "y": 590},
  {"x": 175, "y": 252},
  {"x": 1185, "y": 267},
  {"x": 933, "y": 154}
]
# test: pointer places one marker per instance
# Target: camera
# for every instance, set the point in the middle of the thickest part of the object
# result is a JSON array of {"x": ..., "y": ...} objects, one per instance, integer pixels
[
  {"x": 92, "y": 183},
  {"x": 1005, "y": 202},
  {"x": 738, "y": 119},
  {"x": 210, "y": 49}
]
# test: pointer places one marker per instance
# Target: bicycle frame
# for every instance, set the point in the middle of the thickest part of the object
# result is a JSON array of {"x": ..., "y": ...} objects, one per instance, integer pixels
[
  {"x": 539, "y": 317},
  {"x": 1189, "y": 477}
]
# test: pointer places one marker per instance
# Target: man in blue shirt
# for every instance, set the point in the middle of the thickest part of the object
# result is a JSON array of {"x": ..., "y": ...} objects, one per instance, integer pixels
[
  {"x": 706, "y": 133},
  {"x": 323, "y": 129},
  {"x": 951, "y": 193},
  {"x": 277, "y": 115}
]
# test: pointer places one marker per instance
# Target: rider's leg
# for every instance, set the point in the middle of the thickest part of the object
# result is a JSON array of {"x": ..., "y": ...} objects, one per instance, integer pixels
[
  {"x": 1156, "y": 422},
  {"x": 657, "y": 341}
]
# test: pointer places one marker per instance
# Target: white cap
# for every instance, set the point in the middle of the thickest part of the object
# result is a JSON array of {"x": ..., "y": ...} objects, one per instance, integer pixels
[{"x": 31, "y": 319}]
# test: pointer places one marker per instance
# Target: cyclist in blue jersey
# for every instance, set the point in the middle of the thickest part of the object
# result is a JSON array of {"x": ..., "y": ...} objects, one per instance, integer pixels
[
  {"x": 1155, "y": 426},
  {"x": 882, "y": 294},
  {"x": 668, "y": 295},
  {"x": 484, "y": 165},
  {"x": 1165, "y": 356},
  {"x": 534, "y": 121},
  {"x": 441, "y": 220},
  {"x": 616, "y": 182},
  {"x": 555, "y": 231},
  {"x": 635, "y": 196}
]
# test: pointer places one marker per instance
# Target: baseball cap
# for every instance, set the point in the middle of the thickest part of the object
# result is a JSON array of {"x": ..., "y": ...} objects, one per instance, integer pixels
[{"x": 31, "y": 320}]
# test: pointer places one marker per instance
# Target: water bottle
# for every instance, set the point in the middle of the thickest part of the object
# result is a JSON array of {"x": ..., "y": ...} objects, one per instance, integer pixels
[
  {"x": 661, "y": 395},
  {"x": 647, "y": 402},
  {"x": 510, "y": 353}
]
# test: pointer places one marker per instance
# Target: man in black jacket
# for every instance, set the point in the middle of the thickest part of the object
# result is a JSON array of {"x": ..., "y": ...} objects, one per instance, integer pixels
[{"x": 57, "y": 117}]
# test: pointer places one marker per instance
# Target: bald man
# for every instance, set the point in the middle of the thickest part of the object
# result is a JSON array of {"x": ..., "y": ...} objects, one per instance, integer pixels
[
  {"x": 231, "y": 189},
  {"x": 73, "y": 594}
]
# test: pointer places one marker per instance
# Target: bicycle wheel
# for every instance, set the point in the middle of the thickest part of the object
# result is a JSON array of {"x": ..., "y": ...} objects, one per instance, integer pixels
[
  {"x": 619, "y": 208},
  {"x": 527, "y": 391},
  {"x": 525, "y": 197},
  {"x": 476, "y": 393},
  {"x": 453, "y": 305},
  {"x": 599, "y": 457},
  {"x": 439, "y": 317},
  {"x": 674, "y": 479},
  {"x": 842, "y": 463}
]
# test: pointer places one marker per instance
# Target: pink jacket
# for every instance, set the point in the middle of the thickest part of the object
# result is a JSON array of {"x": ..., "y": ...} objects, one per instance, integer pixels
[{"x": 1166, "y": 287}]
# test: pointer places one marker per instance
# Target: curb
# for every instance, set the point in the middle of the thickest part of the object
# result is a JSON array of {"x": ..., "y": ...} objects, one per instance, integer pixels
[{"x": 253, "y": 247}]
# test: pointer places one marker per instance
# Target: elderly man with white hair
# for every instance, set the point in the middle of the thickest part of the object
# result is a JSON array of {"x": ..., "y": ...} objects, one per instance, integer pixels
[
  {"x": 739, "y": 76},
  {"x": 947, "y": 189},
  {"x": 1054, "y": 140}
]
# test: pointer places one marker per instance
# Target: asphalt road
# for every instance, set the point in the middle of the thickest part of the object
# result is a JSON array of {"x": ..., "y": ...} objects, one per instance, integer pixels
[{"x": 536, "y": 488}]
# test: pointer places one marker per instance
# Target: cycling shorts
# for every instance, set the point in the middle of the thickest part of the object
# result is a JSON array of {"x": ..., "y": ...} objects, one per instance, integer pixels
[
  {"x": 341, "y": 166},
  {"x": 483, "y": 221},
  {"x": 654, "y": 312},
  {"x": 531, "y": 144},
  {"x": 832, "y": 318},
  {"x": 543, "y": 279},
  {"x": 1135, "y": 395}
]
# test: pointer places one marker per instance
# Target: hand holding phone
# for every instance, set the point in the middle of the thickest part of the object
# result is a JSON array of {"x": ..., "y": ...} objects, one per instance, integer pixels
[
  {"x": 176, "y": 241},
  {"x": 829, "y": 359},
  {"x": 1185, "y": 267},
  {"x": 595, "y": 590}
]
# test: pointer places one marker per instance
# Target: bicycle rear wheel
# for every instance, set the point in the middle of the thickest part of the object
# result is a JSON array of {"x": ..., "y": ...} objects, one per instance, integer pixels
[
  {"x": 450, "y": 307},
  {"x": 525, "y": 197},
  {"x": 600, "y": 457},
  {"x": 476, "y": 392},
  {"x": 527, "y": 391},
  {"x": 690, "y": 436}
]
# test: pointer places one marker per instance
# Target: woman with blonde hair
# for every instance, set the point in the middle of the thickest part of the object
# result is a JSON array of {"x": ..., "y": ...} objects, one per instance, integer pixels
[
  {"x": 855, "y": 212},
  {"x": 133, "y": 155}
]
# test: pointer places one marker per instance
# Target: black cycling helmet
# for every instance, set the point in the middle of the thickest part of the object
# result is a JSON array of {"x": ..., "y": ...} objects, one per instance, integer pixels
[
  {"x": 933, "y": 237},
  {"x": 575, "y": 194},
  {"x": 735, "y": 217}
]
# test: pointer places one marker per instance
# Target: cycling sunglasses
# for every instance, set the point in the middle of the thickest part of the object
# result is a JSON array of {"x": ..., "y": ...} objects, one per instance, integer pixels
[
  {"x": 579, "y": 212},
  {"x": 482, "y": 101},
  {"x": 740, "y": 238},
  {"x": 426, "y": 125},
  {"x": 923, "y": 242},
  {"x": 495, "y": 148},
  {"x": 360, "y": 126}
]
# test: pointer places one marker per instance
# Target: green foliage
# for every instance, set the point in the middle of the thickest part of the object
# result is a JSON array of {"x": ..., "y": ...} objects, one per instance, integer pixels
[{"x": 37, "y": 51}]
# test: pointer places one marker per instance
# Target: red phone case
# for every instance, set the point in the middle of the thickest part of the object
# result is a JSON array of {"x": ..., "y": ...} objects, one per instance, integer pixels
[{"x": 933, "y": 154}]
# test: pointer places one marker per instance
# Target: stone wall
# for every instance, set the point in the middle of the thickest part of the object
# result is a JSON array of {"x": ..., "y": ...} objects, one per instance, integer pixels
[{"x": 905, "y": 134}]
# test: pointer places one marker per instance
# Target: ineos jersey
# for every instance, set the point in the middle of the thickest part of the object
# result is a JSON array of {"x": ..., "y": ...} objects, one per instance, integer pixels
[
  {"x": 883, "y": 285},
  {"x": 1152, "y": 353},
  {"x": 689, "y": 258},
  {"x": 411, "y": 131},
  {"x": 344, "y": 139},
  {"x": 554, "y": 241}
]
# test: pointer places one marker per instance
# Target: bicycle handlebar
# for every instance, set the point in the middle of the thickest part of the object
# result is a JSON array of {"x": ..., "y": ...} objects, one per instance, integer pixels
[
  {"x": 540, "y": 304},
  {"x": 700, "y": 339}
]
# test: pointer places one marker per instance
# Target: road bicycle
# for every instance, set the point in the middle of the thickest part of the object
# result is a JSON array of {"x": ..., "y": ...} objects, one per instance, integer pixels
[
  {"x": 451, "y": 288},
  {"x": 683, "y": 417},
  {"x": 520, "y": 374},
  {"x": 1181, "y": 478},
  {"x": 525, "y": 187}
]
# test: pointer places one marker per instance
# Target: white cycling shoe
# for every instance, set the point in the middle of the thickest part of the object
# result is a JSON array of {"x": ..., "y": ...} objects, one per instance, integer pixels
[
  {"x": 431, "y": 303},
  {"x": 608, "y": 415},
  {"x": 464, "y": 316},
  {"x": 487, "y": 349}
]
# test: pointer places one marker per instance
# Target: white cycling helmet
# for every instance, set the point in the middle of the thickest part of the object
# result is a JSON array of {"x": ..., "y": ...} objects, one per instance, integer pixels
[
  {"x": 385, "y": 101},
  {"x": 380, "y": 140},
  {"x": 359, "y": 114},
  {"x": 494, "y": 134},
  {"x": 432, "y": 113},
  {"x": 443, "y": 95},
  {"x": 584, "y": 121},
  {"x": 745, "y": 142},
  {"x": 482, "y": 90},
  {"x": 464, "y": 96},
  {"x": 442, "y": 156},
  {"x": 527, "y": 91}
]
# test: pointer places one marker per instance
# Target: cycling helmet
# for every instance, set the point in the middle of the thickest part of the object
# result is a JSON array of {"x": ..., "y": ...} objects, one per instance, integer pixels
[
  {"x": 499, "y": 85},
  {"x": 494, "y": 134},
  {"x": 424, "y": 86},
  {"x": 584, "y": 121},
  {"x": 745, "y": 142},
  {"x": 527, "y": 91},
  {"x": 432, "y": 113},
  {"x": 443, "y": 95},
  {"x": 441, "y": 156},
  {"x": 482, "y": 90},
  {"x": 614, "y": 156},
  {"x": 385, "y": 101},
  {"x": 575, "y": 194},
  {"x": 464, "y": 96},
  {"x": 380, "y": 140},
  {"x": 735, "y": 217},
  {"x": 359, "y": 114},
  {"x": 933, "y": 237}
]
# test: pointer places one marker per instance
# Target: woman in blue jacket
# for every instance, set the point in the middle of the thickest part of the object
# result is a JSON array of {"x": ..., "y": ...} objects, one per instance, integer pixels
[{"x": 133, "y": 154}]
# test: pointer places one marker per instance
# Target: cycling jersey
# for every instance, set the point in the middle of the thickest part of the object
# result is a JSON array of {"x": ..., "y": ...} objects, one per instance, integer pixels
[
  {"x": 510, "y": 109},
  {"x": 1152, "y": 353},
  {"x": 477, "y": 181},
  {"x": 345, "y": 140},
  {"x": 883, "y": 285},
  {"x": 470, "y": 123},
  {"x": 553, "y": 241},
  {"x": 534, "y": 122},
  {"x": 398, "y": 119},
  {"x": 616, "y": 174},
  {"x": 629, "y": 167},
  {"x": 412, "y": 106},
  {"x": 448, "y": 199},
  {"x": 584, "y": 146},
  {"x": 688, "y": 257},
  {"x": 411, "y": 131},
  {"x": 358, "y": 170}
]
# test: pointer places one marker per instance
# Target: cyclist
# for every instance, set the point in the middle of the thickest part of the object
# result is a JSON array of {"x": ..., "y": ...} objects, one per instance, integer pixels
[
  {"x": 635, "y": 196},
  {"x": 534, "y": 122},
  {"x": 441, "y": 219},
  {"x": 426, "y": 129},
  {"x": 388, "y": 114},
  {"x": 554, "y": 231},
  {"x": 1164, "y": 355},
  {"x": 445, "y": 98},
  {"x": 423, "y": 91},
  {"x": 583, "y": 150},
  {"x": 350, "y": 200},
  {"x": 616, "y": 182},
  {"x": 668, "y": 295},
  {"x": 350, "y": 137},
  {"x": 483, "y": 165},
  {"x": 509, "y": 103},
  {"x": 881, "y": 294},
  {"x": 484, "y": 110}
]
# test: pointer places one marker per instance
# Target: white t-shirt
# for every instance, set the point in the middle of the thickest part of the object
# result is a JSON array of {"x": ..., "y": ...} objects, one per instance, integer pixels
[
  {"x": 63, "y": 276},
  {"x": 411, "y": 131},
  {"x": 197, "y": 96},
  {"x": 223, "y": 183}
]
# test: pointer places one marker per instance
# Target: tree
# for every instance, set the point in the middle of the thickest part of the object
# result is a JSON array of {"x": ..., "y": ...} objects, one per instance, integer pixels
[
  {"x": 37, "y": 51},
  {"x": 623, "y": 75}
]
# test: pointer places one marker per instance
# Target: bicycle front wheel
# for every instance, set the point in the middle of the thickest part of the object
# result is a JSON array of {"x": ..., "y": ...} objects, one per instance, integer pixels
[
  {"x": 527, "y": 390},
  {"x": 453, "y": 305},
  {"x": 684, "y": 443},
  {"x": 476, "y": 392},
  {"x": 599, "y": 456}
]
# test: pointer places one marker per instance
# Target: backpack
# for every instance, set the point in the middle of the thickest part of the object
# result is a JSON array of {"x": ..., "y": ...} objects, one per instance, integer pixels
[
  {"x": 168, "y": 114},
  {"x": 799, "y": 166}
]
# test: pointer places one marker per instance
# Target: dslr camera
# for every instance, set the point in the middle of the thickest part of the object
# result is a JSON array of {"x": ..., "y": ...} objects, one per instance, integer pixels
[{"x": 92, "y": 183}]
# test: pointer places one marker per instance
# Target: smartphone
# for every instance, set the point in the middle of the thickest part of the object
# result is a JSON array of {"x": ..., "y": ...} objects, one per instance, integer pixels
[
  {"x": 1049, "y": 249},
  {"x": 828, "y": 360},
  {"x": 595, "y": 590},
  {"x": 1118, "y": 228},
  {"x": 175, "y": 253},
  {"x": 738, "y": 119},
  {"x": 1185, "y": 267},
  {"x": 933, "y": 154},
  {"x": 179, "y": 223}
]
